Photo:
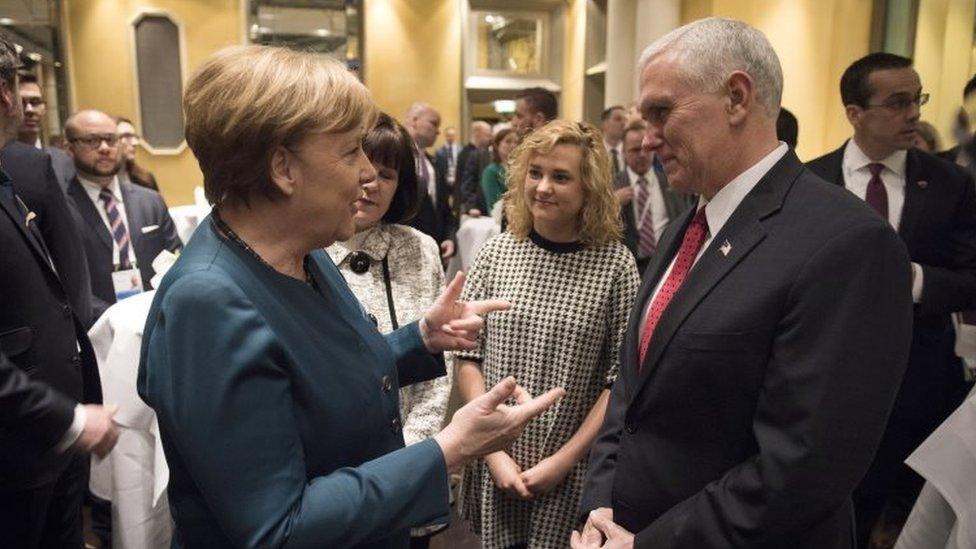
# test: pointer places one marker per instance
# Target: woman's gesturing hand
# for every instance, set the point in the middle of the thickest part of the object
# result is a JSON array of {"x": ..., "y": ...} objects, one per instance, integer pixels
[
  {"x": 452, "y": 325},
  {"x": 487, "y": 425}
]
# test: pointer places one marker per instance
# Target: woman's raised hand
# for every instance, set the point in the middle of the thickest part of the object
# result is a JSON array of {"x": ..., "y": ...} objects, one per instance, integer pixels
[
  {"x": 487, "y": 424},
  {"x": 452, "y": 325}
]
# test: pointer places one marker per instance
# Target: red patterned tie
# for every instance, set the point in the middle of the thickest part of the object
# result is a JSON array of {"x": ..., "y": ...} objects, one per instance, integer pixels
[
  {"x": 695, "y": 236},
  {"x": 876, "y": 195}
]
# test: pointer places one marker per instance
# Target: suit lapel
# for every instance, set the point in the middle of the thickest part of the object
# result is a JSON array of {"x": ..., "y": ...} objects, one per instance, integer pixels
[
  {"x": 89, "y": 213},
  {"x": 31, "y": 235},
  {"x": 131, "y": 218},
  {"x": 666, "y": 250},
  {"x": 743, "y": 231},
  {"x": 915, "y": 196}
]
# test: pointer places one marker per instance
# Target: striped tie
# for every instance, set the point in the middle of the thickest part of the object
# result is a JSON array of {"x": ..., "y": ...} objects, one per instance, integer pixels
[
  {"x": 646, "y": 242},
  {"x": 119, "y": 232}
]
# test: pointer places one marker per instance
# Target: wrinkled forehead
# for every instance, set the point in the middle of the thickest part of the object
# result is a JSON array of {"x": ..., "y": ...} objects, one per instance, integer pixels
[{"x": 663, "y": 79}]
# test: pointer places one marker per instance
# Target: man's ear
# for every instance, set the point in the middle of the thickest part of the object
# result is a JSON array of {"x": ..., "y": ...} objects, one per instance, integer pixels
[
  {"x": 853, "y": 113},
  {"x": 283, "y": 170},
  {"x": 538, "y": 120},
  {"x": 741, "y": 98}
]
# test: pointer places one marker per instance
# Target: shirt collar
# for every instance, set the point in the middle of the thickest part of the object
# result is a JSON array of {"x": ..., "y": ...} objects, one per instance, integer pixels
[
  {"x": 374, "y": 242},
  {"x": 855, "y": 159},
  {"x": 634, "y": 176},
  {"x": 93, "y": 188},
  {"x": 720, "y": 208}
]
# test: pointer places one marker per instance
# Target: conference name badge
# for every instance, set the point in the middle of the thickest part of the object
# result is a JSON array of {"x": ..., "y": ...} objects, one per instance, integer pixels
[{"x": 126, "y": 283}]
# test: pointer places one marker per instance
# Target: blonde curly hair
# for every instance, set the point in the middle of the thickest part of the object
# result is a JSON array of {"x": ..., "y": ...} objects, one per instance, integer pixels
[{"x": 599, "y": 219}]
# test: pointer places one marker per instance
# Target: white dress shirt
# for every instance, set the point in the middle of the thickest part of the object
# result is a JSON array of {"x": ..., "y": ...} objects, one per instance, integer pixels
[
  {"x": 720, "y": 208},
  {"x": 655, "y": 206},
  {"x": 92, "y": 190},
  {"x": 857, "y": 175}
]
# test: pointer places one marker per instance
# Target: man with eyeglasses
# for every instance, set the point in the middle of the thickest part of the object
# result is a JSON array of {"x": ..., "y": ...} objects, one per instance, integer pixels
[
  {"x": 125, "y": 226},
  {"x": 931, "y": 203},
  {"x": 35, "y": 108}
]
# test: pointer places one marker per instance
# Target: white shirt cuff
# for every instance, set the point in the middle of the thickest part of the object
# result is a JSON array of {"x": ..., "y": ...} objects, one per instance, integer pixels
[
  {"x": 917, "y": 283},
  {"x": 74, "y": 430}
]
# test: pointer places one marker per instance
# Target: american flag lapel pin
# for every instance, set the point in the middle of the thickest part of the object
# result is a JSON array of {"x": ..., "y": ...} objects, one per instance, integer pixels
[
  {"x": 725, "y": 248},
  {"x": 922, "y": 184}
]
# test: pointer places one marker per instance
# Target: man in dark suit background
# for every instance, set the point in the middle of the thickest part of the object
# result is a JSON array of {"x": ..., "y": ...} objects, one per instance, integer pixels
[
  {"x": 435, "y": 217},
  {"x": 931, "y": 203},
  {"x": 47, "y": 367},
  {"x": 445, "y": 158},
  {"x": 124, "y": 226},
  {"x": 29, "y": 133},
  {"x": 961, "y": 154},
  {"x": 534, "y": 108},
  {"x": 469, "y": 197},
  {"x": 768, "y": 339},
  {"x": 613, "y": 122},
  {"x": 647, "y": 203}
]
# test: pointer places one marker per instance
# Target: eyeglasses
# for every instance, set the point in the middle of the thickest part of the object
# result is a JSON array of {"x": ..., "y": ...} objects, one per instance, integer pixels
[
  {"x": 33, "y": 102},
  {"x": 95, "y": 141},
  {"x": 902, "y": 103}
]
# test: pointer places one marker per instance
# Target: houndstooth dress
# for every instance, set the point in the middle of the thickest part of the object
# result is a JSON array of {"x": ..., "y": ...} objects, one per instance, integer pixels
[{"x": 569, "y": 314}]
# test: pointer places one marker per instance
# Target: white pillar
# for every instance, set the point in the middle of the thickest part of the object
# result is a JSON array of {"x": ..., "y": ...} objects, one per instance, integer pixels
[{"x": 631, "y": 26}]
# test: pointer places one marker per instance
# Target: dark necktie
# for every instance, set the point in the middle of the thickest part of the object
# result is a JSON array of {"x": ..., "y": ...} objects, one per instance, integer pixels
[
  {"x": 876, "y": 195},
  {"x": 616, "y": 161},
  {"x": 695, "y": 235},
  {"x": 119, "y": 232},
  {"x": 646, "y": 241}
]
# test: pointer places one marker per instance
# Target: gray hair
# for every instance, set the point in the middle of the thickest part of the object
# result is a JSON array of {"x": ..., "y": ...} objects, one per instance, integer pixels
[{"x": 709, "y": 50}]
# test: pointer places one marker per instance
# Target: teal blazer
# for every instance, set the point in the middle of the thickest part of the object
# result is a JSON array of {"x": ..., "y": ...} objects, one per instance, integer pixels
[{"x": 278, "y": 407}]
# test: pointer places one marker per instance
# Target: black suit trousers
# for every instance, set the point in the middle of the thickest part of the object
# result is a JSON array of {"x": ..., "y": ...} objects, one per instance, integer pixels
[{"x": 46, "y": 516}]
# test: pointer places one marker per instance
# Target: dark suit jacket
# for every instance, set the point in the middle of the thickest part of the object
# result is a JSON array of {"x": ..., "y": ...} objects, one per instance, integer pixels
[
  {"x": 38, "y": 186},
  {"x": 475, "y": 162},
  {"x": 436, "y": 219},
  {"x": 143, "y": 208},
  {"x": 950, "y": 154},
  {"x": 674, "y": 202},
  {"x": 278, "y": 407},
  {"x": 768, "y": 380},
  {"x": 938, "y": 226},
  {"x": 41, "y": 335},
  {"x": 30, "y": 409},
  {"x": 64, "y": 166}
]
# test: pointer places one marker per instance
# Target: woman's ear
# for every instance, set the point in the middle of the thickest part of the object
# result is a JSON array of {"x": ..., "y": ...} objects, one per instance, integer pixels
[{"x": 284, "y": 170}]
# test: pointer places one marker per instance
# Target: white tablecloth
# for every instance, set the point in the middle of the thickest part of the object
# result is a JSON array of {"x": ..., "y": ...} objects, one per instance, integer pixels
[
  {"x": 187, "y": 218},
  {"x": 945, "y": 514},
  {"x": 472, "y": 235},
  {"x": 134, "y": 475}
]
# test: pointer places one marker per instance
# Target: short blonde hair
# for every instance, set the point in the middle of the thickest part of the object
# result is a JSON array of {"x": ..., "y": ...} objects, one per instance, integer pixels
[
  {"x": 599, "y": 220},
  {"x": 245, "y": 101}
]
